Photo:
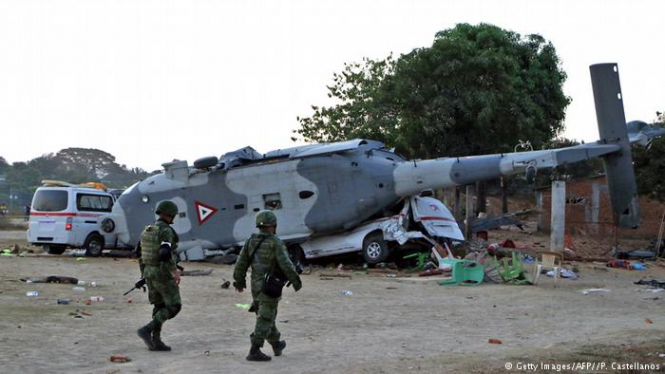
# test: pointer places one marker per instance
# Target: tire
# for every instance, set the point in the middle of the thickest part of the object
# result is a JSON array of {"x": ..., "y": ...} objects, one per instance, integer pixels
[
  {"x": 55, "y": 249},
  {"x": 296, "y": 254},
  {"x": 375, "y": 249},
  {"x": 94, "y": 245}
]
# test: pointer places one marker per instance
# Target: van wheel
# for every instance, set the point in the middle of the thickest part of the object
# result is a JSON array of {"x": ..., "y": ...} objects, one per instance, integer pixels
[
  {"x": 94, "y": 245},
  {"x": 375, "y": 249},
  {"x": 55, "y": 249}
]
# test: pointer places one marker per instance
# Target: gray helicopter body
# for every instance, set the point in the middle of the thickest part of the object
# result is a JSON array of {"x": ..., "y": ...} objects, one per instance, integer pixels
[{"x": 325, "y": 189}]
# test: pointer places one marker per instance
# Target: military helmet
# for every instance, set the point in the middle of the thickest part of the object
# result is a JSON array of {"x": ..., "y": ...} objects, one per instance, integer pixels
[
  {"x": 266, "y": 218},
  {"x": 167, "y": 207}
]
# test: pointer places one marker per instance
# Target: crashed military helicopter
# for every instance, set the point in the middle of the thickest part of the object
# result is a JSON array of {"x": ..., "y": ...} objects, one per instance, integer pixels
[{"x": 323, "y": 193}]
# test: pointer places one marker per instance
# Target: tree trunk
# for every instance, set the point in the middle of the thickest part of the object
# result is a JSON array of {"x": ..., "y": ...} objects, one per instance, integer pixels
[
  {"x": 468, "y": 211},
  {"x": 504, "y": 195},
  {"x": 457, "y": 209},
  {"x": 481, "y": 197}
]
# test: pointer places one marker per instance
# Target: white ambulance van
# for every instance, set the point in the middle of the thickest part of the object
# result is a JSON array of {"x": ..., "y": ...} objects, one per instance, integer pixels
[{"x": 77, "y": 216}]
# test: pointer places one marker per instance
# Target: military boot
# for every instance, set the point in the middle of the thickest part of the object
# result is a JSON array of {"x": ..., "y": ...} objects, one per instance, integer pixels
[
  {"x": 278, "y": 347},
  {"x": 158, "y": 344},
  {"x": 255, "y": 354},
  {"x": 145, "y": 334}
]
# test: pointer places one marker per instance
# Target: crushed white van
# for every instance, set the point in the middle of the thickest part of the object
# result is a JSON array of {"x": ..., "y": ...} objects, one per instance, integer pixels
[{"x": 421, "y": 222}]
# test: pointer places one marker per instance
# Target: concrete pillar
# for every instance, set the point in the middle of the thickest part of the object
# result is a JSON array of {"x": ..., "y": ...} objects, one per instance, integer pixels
[
  {"x": 470, "y": 191},
  {"x": 558, "y": 221},
  {"x": 540, "y": 226}
]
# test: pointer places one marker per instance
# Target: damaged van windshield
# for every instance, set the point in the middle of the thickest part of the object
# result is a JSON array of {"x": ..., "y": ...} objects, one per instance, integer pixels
[{"x": 49, "y": 201}]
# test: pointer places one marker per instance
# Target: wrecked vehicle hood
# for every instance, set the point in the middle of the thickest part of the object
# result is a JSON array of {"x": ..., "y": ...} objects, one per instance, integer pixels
[{"x": 437, "y": 220}]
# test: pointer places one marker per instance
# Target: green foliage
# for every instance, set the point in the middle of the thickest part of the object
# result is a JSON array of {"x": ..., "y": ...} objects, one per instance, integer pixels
[
  {"x": 22, "y": 178},
  {"x": 360, "y": 113},
  {"x": 477, "y": 89},
  {"x": 650, "y": 166},
  {"x": 74, "y": 165},
  {"x": 78, "y": 165}
]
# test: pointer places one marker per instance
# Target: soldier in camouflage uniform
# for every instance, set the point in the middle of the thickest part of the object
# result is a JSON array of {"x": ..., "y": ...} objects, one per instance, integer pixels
[
  {"x": 271, "y": 255},
  {"x": 158, "y": 264}
]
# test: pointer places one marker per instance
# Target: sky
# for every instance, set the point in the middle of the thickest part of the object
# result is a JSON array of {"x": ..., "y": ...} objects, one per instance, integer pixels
[{"x": 153, "y": 81}]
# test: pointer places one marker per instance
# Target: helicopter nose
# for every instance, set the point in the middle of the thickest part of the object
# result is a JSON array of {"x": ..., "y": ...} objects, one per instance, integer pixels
[
  {"x": 128, "y": 209},
  {"x": 120, "y": 219}
]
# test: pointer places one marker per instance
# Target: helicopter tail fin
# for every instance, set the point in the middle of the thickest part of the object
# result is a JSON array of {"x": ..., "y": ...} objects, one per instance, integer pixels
[{"x": 612, "y": 129}]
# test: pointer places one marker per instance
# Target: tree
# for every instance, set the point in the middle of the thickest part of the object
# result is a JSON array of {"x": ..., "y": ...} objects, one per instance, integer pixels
[
  {"x": 477, "y": 89},
  {"x": 360, "y": 113},
  {"x": 22, "y": 181},
  {"x": 650, "y": 166}
]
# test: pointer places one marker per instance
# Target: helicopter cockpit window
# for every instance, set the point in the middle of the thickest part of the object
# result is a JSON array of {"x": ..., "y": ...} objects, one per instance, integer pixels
[
  {"x": 272, "y": 201},
  {"x": 305, "y": 194}
]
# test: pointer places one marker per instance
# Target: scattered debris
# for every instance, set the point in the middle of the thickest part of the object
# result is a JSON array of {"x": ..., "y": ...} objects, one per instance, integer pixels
[
  {"x": 563, "y": 273},
  {"x": 636, "y": 254},
  {"x": 207, "y": 353},
  {"x": 346, "y": 293},
  {"x": 119, "y": 358},
  {"x": 119, "y": 253},
  {"x": 243, "y": 306},
  {"x": 384, "y": 265},
  {"x": 494, "y": 222},
  {"x": 335, "y": 275},
  {"x": 495, "y": 341},
  {"x": 128, "y": 300},
  {"x": 653, "y": 283},
  {"x": 80, "y": 314},
  {"x": 196, "y": 273},
  {"x": 32, "y": 294},
  {"x": 79, "y": 289},
  {"x": 569, "y": 254},
  {"x": 594, "y": 290},
  {"x": 226, "y": 285},
  {"x": 7, "y": 253},
  {"x": 227, "y": 259},
  {"x": 382, "y": 271},
  {"x": 80, "y": 259},
  {"x": 51, "y": 279},
  {"x": 430, "y": 272},
  {"x": 96, "y": 299},
  {"x": 648, "y": 321},
  {"x": 63, "y": 301},
  {"x": 626, "y": 264}
]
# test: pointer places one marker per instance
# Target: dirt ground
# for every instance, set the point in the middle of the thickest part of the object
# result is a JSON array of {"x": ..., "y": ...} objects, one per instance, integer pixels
[{"x": 388, "y": 325}]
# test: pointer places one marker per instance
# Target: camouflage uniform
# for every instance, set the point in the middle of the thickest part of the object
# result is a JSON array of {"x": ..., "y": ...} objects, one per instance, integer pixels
[
  {"x": 158, "y": 265},
  {"x": 163, "y": 293},
  {"x": 271, "y": 255}
]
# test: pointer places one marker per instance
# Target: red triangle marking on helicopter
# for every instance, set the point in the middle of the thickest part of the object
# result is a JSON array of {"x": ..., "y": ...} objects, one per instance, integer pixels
[{"x": 204, "y": 212}]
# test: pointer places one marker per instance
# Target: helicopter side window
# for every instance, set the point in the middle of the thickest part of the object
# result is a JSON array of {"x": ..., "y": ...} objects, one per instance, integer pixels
[{"x": 272, "y": 201}]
